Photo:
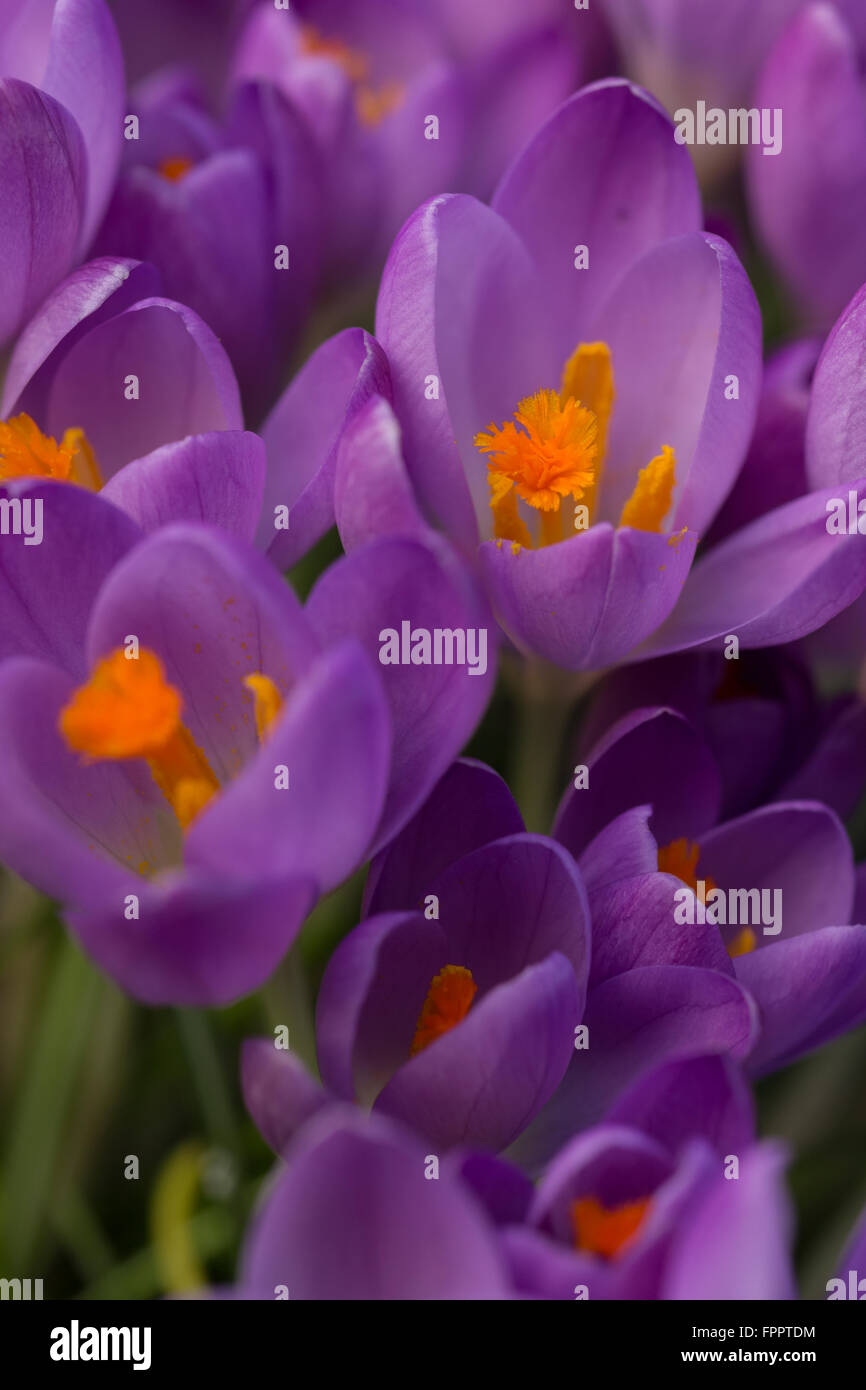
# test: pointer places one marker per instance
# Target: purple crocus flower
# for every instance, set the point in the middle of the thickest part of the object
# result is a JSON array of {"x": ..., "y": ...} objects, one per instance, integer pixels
[
  {"x": 692, "y": 1209},
  {"x": 61, "y": 103},
  {"x": 191, "y": 758},
  {"x": 360, "y": 1213},
  {"x": 403, "y": 102},
  {"x": 459, "y": 1001},
  {"x": 809, "y": 202},
  {"x": 771, "y": 737},
  {"x": 623, "y": 341},
  {"x": 647, "y": 816},
  {"x": 251, "y": 277}
]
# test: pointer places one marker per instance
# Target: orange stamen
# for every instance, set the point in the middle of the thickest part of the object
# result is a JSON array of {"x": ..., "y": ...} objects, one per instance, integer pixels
[
  {"x": 175, "y": 168},
  {"x": 607, "y": 1231},
  {"x": 650, "y": 502},
  {"x": 447, "y": 1004},
  {"x": 25, "y": 452}
]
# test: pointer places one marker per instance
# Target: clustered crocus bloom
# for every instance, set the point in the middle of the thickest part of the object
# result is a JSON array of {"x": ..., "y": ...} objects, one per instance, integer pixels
[{"x": 534, "y": 1061}]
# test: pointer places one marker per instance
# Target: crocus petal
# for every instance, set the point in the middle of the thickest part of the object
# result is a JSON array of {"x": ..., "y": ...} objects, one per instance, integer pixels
[
  {"x": 334, "y": 737},
  {"x": 218, "y": 263},
  {"x": 198, "y": 943},
  {"x": 236, "y": 618},
  {"x": 588, "y": 601},
  {"x": 516, "y": 85},
  {"x": 84, "y": 71},
  {"x": 279, "y": 1092},
  {"x": 370, "y": 998},
  {"x": 634, "y": 924},
  {"x": 835, "y": 773},
  {"x": 77, "y": 832},
  {"x": 680, "y": 324},
  {"x": 636, "y": 1021},
  {"x": 836, "y": 421},
  {"x": 47, "y": 590},
  {"x": 302, "y": 433},
  {"x": 43, "y": 168},
  {"x": 738, "y": 1243},
  {"x": 635, "y": 188},
  {"x": 503, "y": 1191},
  {"x": 460, "y": 317},
  {"x": 434, "y": 709},
  {"x": 91, "y": 294},
  {"x": 355, "y": 1218},
  {"x": 808, "y": 990},
  {"x": 372, "y": 493},
  {"x": 808, "y": 207},
  {"x": 470, "y": 806},
  {"x": 487, "y": 898},
  {"x": 705, "y": 1096},
  {"x": 798, "y": 851},
  {"x": 776, "y": 580},
  {"x": 624, "y": 848},
  {"x": 185, "y": 383},
  {"x": 482, "y": 1082},
  {"x": 650, "y": 757},
  {"x": 207, "y": 477}
]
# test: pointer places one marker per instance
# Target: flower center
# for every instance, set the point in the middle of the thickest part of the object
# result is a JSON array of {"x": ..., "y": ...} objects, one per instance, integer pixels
[
  {"x": 554, "y": 454},
  {"x": 175, "y": 167},
  {"x": 680, "y": 858},
  {"x": 128, "y": 709},
  {"x": 25, "y": 452},
  {"x": 607, "y": 1231},
  {"x": 372, "y": 103},
  {"x": 448, "y": 1002}
]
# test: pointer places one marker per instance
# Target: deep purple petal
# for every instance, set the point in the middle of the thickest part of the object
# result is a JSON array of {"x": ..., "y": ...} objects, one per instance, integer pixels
[
  {"x": 632, "y": 766},
  {"x": 355, "y": 1217},
  {"x": 797, "y": 852},
  {"x": 808, "y": 990},
  {"x": 372, "y": 493},
  {"x": 687, "y": 1097},
  {"x": 633, "y": 925},
  {"x": 635, "y": 1022},
  {"x": 279, "y": 1092},
  {"x": 470, "y": 806},
  {"x": 481, "y": 1083},
  {"x": 738, "y": 1244},
  {"x": 836, "y": 421}
]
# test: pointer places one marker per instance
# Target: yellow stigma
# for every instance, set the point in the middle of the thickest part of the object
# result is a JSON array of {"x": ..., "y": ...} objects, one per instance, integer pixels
[
  {"x": 25, "y": 452},
  {"x": 268, "y": 701},
  {"x": 744, "y": 942},
  {"x": 175, "y": 168},
  {"x": 447, "y": 1004},
  {"x": 372, "y": 104},
  {"x": 607, "y": 1231},
  {"x": 129, "y": 710},
  {"x": 650, "y": 502}
]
